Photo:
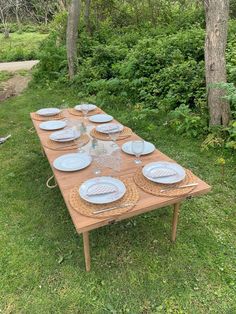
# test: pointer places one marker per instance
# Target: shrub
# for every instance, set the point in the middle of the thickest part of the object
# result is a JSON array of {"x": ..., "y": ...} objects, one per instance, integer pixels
[{"x": 184, "y": 121}]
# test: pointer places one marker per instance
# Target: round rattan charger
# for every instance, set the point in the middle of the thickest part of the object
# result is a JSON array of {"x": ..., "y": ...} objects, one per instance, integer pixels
[
  {"x": 67, "y": 145},
  {"x": 85, "y": 208},
  {"x": 37, "y": 117},
  {"x": 80, "y": 113},
  {"x": 126, "y": 132},
  {"x": 171, "y": 189}
]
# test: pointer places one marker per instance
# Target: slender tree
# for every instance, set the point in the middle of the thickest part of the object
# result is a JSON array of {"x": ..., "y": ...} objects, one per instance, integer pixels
[
  {"x": 87, "y": 16},
  {"x": 72, "y": 36},
  {"x": 217, "y": 14},
  {"x": 5, "y": 14}
]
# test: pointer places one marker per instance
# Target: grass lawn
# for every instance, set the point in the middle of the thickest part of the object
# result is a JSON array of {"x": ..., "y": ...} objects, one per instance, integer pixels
[
  {"x": 4, "y": 76},
  {"x": 20, "y": 46},
  {"x": 135, "y": 267}
]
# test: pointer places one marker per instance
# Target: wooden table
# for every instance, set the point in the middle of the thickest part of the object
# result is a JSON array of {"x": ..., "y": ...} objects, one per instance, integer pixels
[{"x": 147, "y": 202}]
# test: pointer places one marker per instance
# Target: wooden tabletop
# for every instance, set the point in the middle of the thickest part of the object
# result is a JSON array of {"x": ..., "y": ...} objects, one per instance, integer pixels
[{"x": 68, "y": 180}]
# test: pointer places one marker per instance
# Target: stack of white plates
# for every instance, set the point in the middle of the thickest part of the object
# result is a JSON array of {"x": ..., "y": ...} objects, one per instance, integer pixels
[
  {"x": 101, "y": 118},
  {"x": 65, "y": 135},
  {"x": 52, "y": 125},
  {"x": 148, "y": 148},
  {"x": 48, "y": 112},
  {"x": 102, "y": 190},
  {"x": 164, "y": 172},
  {"x": 72, "y": 162},
  {"x": 109, "y": 128},
  {"x": 89, "y": 106}
]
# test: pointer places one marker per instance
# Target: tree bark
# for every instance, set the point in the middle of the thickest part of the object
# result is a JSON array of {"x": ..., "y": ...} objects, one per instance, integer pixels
[
  {"x": 17, "y": 13},
  {"x": 72, "y": 36},
  {"x": 217, "y": 14}
]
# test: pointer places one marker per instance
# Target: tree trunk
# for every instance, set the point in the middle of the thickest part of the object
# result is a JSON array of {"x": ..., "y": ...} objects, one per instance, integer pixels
[
  {"x": 17, "y": 14},
  {"x": 217, "y": 14},
  {"x": 72, "y": 36},
  {"x": 62, "y": 6},
  {"x": 87, "y": 16},
  {"x": 152, "y": 12}
]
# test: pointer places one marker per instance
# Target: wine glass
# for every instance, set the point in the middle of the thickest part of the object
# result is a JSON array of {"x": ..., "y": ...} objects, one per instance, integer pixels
[
  {"x": 114, "y": 134},
  {"x": 137, "y": 149},
  {"x": 64, "y": 106},
  {"x": 85, "y": 110}
]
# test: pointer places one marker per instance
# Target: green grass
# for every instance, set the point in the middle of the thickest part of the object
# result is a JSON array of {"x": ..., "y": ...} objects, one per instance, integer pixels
[
  {"x": 4, "y": 76},
  {"x": 20, "y": 46},
  {"x": 135, "y": 267}
]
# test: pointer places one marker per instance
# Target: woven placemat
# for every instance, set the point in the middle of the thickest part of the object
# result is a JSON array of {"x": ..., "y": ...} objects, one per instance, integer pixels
[
  {"x": 80, "y": 113},
  {"x": 126, "y": 132},
  {"x": 84, "y": 208},
  {"x": 155, "y": 188},
  {"x": 67, "y": 145},
  {"x": 37, "y": 117}
]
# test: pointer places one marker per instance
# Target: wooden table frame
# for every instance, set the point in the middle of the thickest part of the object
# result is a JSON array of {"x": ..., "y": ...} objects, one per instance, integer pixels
[{"x": 147, "y": 202}]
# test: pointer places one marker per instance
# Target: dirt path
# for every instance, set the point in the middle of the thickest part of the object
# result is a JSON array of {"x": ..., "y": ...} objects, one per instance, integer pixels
[
  {"x": 15, "y": 85},
  {"x": 16, "y": 66}
]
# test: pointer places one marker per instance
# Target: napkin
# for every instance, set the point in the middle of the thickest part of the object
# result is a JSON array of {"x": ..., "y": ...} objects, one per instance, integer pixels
[
  {"x": 110, "y": 128},
  {"x": 101, "y": 189},
  {"x": 65, "y": 135},
  {"x": 161, "y": 173}
]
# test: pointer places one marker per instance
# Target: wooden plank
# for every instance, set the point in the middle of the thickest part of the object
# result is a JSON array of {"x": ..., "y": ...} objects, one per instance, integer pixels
[{"x": 147, "y": 202}]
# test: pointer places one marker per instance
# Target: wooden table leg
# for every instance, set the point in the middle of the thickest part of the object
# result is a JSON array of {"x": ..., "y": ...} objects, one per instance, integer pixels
[
  {"x": 175, "y": 221},
  {"x": 86, "y": 250}
]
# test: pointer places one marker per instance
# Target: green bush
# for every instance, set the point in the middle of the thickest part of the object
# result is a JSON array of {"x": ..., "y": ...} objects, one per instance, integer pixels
[
  {"x": 184, "y": 121},
  {"x": 157, "y": 69},
  {"x": 53, "y": 64},
  {"x": 18, "y": 47},
  {"x": 25, "y": 28}
]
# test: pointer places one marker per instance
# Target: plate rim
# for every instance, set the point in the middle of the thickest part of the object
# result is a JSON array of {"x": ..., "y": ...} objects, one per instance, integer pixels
[
  {"x": 122, "y": 127},
  {"x": 64, "y": 141},
  {"x": 167, "y": 162},
  {"x": 99, "y": 114},
  {"x": 85, "y": 104},
  {"x": 52, "y": 121},
  {"x": 99, "y": 178},
  {"x": 50, "y": 115},
  {"x": 71, "y": 170},
  {"x": 143, "y": 154}
]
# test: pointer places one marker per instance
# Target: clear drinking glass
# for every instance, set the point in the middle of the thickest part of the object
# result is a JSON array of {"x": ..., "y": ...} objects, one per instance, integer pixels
[
  {"x": 114, "y": 134},
  {"x": 116, "y": 161},
  {"x": 137, "y": 149},
  {"x": 85, "y": 110},
  {"x": 64, "y": 106},
  {"x": 80, "y": 144},
  {"x": 97, "y": 155}
]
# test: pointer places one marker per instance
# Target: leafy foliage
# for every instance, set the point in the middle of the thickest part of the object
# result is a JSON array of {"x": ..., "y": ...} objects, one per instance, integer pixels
[
  {"x": 20, "y": 46},
  {"x": 157, "y": 68}
]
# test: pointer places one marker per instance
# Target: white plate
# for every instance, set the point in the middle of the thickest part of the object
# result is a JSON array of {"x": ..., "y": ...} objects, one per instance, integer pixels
[
  {"x": 90, "y": 107},
  {"x": 52, "y": 125},
  {"x": 104, "y": 198},
  {"x": 101, "y": 118},
  {"x": 48, "y": 112},
  {"x": 72, "y": 162},
  {"x": 54, "y": 135},
  {"x": 107, "y": 128},
  {"x": 179, "y": 176},
  {"x": 148, "y": 148}
]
